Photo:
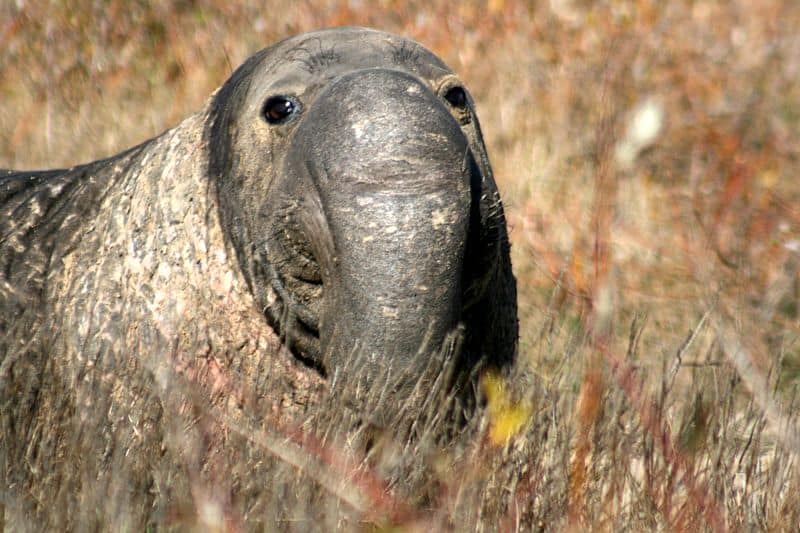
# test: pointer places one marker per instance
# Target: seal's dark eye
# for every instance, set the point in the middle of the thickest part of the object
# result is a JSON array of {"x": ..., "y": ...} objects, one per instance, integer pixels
[
  {"x": 457, "y": 97},
  {"x": 278, "y": 108}
]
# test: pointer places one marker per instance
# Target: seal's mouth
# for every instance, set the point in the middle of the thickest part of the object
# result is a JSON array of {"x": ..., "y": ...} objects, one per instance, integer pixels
[{"x": 293, "y": 304}]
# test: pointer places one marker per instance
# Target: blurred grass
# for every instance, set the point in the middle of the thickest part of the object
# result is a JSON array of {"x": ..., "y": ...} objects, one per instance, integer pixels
[{"x": 638, "y": 274}]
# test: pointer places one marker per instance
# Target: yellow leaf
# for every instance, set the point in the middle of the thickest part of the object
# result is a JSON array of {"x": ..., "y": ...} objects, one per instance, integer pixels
[
  {"x": 508, "y": 423},
  {"x": 506, "y": 416}
]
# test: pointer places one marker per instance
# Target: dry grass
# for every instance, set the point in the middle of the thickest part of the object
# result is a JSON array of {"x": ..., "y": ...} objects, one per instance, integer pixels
[{"x": 647, "y": 153}]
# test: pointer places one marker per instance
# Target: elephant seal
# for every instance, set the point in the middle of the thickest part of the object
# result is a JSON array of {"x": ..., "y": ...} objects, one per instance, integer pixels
[{"x": 329, "y": 217}]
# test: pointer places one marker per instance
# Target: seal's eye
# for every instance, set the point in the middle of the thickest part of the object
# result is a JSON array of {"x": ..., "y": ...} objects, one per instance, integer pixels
[
  {"x": 278, "y": 109},
  {"x": 457, "y": 97}
]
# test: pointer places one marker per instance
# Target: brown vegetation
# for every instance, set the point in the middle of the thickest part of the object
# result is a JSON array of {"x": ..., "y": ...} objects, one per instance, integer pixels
[{"x": 647, "y": 153}]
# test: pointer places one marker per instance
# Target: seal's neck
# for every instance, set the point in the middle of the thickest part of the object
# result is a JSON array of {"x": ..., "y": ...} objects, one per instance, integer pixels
[{"x": 152, "y": 274}]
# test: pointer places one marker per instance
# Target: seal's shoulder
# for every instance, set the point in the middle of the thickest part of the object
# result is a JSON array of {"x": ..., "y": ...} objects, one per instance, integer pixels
[{"x": 40, "y": 208}]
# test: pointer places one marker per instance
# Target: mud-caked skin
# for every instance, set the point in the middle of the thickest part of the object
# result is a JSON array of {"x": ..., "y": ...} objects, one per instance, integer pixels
[{"x": 334, "y": 198}]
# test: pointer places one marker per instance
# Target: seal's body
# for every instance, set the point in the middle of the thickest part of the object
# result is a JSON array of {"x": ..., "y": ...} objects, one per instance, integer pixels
[{"x": 330, "y": 217}]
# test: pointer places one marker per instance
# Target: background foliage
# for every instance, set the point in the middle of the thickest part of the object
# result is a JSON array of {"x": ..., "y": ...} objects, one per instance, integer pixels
[{"x": 647, "y": 153}]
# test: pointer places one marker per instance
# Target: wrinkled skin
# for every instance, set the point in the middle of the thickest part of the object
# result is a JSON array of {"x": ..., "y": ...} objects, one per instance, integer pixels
[{"x": 146, "y": 292}]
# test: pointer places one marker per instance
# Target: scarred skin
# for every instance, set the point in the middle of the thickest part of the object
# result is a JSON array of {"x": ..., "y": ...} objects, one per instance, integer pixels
[{"x": 246, "y": 264}]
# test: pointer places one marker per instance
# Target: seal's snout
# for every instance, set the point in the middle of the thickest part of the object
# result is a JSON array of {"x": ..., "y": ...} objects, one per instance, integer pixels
[
  {"x": 390, "y": 125},
  {"x": 375, "y": 213},
  {"x": 390, "y": 170}
]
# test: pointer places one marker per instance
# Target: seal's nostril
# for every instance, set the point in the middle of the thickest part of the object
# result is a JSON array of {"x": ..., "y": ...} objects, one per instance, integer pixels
[{"x": 457, "y": 97}]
